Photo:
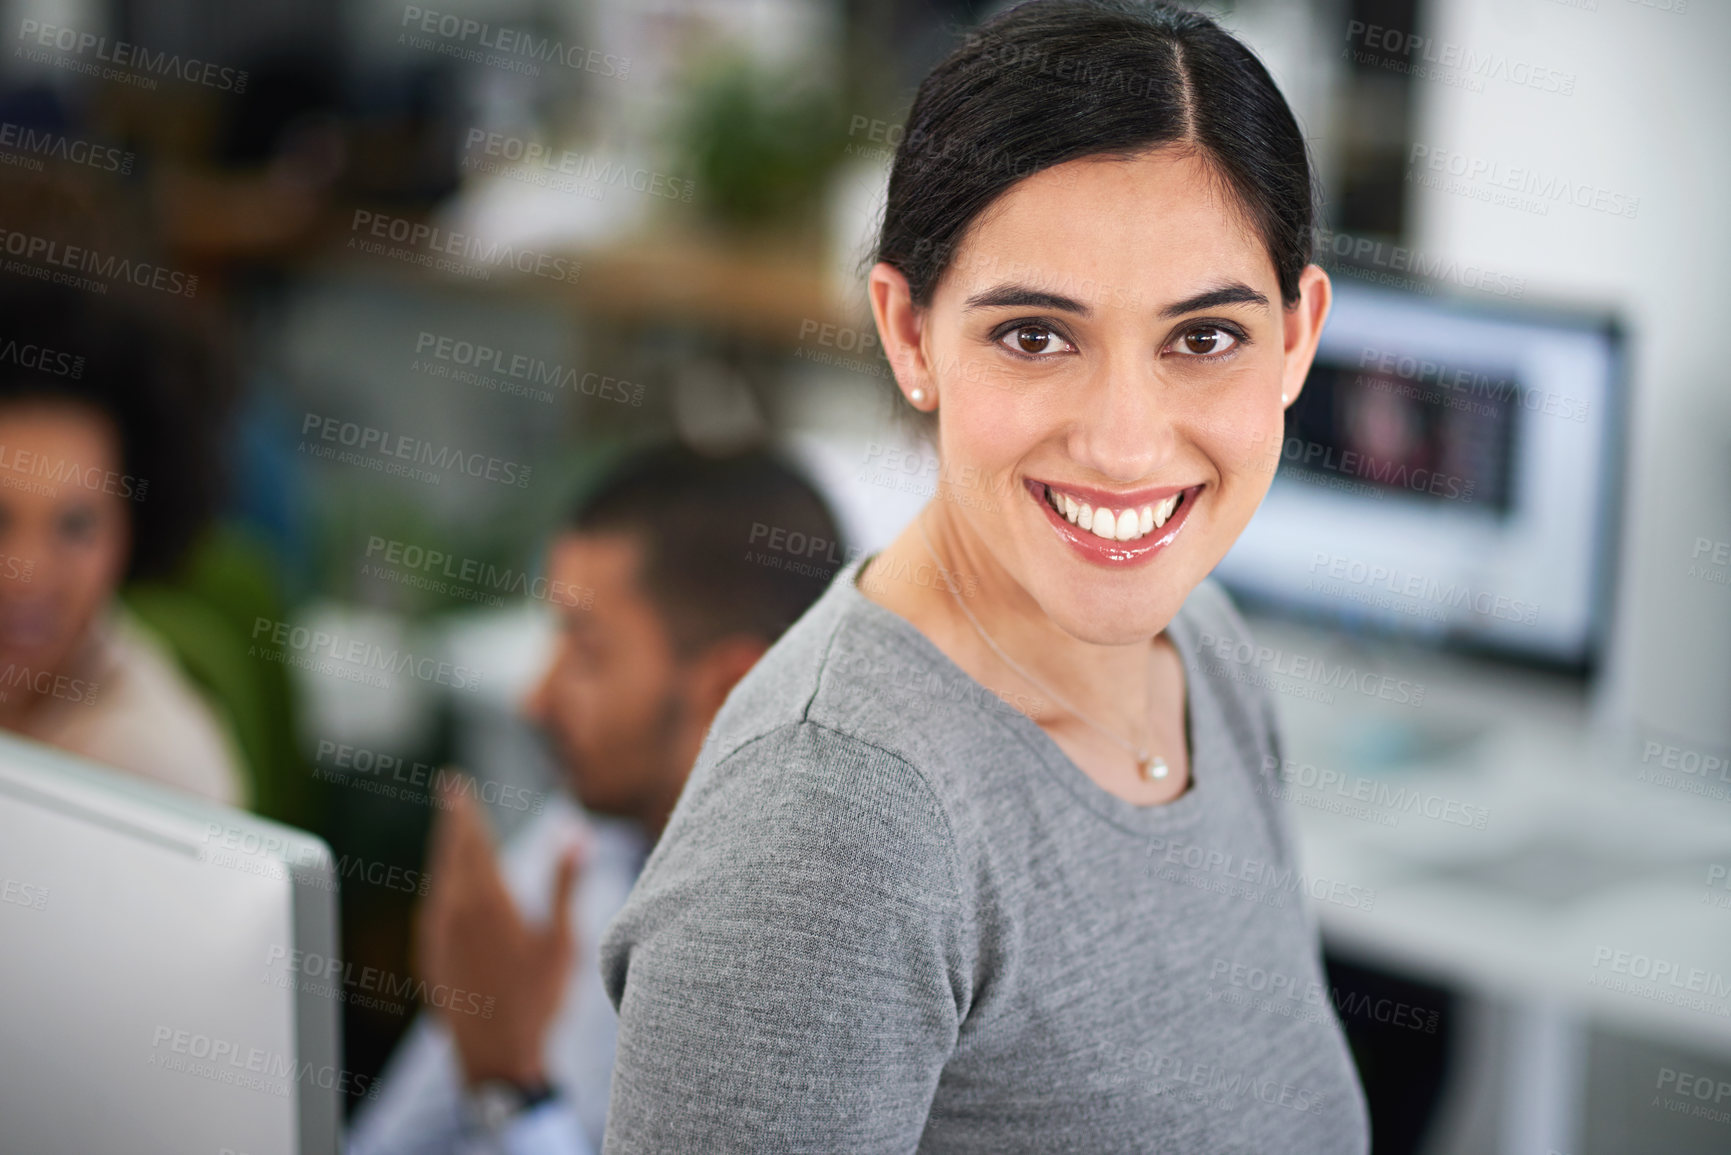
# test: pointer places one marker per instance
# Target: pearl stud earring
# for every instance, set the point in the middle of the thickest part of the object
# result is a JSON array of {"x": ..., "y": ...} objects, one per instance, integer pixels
[
  {"x": 918, "y": 396},
  {"x": 1283, "y": 399}
]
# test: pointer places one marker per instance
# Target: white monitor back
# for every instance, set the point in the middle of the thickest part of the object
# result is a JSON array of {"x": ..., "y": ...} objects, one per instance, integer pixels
[{"x": 145, "y": 1004}]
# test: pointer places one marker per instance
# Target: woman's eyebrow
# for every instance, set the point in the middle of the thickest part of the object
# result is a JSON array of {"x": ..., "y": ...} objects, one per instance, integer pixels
[
  {"x": 1234, "y": 293},
  {"x": 1000, "y": 296},
  {"x": 1023, "y": 296}
]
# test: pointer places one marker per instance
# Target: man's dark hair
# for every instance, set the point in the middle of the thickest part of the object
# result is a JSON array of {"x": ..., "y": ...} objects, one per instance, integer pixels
[
  {"x": 160, "y": 381},
  {"x": 731, "y": 545}
]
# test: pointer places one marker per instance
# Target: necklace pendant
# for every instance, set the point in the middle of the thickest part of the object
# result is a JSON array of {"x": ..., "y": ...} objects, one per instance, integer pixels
[{"x": 1151, "y": 769}]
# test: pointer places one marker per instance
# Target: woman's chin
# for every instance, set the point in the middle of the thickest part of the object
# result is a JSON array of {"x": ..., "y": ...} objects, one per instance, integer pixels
[{"x": 1108, "y": 621}]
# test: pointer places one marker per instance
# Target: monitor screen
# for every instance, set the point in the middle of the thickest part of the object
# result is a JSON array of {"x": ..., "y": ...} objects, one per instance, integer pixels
[{"x": 1450, "y": 473}]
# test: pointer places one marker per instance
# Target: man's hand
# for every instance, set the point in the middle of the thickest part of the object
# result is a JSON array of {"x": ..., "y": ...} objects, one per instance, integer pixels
[{"x": 471, "y": 941}]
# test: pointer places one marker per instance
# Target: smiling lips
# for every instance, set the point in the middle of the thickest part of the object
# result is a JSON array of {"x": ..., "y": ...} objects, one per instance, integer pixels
[
  {"x": 1126, "y": 524},
  {"x": 1111, "y": 529}
]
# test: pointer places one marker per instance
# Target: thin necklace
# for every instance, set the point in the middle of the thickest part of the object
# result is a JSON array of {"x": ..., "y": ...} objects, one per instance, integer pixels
[{"x": 1151, "y": 768}]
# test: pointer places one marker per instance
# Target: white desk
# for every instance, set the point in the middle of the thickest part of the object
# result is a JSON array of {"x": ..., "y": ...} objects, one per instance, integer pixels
[{"x": 1576, "y": 861}]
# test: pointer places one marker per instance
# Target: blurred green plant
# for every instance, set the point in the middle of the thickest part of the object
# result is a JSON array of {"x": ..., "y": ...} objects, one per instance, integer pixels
[{"x": 759, "y": 145}]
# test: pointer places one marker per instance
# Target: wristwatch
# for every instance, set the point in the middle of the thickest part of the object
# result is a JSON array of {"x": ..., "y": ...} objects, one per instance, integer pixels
[{"x": 495, "y": 1103}]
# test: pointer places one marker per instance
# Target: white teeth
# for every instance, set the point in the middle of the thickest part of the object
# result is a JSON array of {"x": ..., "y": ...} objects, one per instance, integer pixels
[{"x": 1122, "y": 525}]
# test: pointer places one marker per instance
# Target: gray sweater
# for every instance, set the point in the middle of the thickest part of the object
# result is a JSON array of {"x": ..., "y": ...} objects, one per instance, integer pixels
[{"x": 889, "y": 914}]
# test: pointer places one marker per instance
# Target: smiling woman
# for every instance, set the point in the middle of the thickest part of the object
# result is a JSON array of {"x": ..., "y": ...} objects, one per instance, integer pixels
[{"x": 888, "y": 917}]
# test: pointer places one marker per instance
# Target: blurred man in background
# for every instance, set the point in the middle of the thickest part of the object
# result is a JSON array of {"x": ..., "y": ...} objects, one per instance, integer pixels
[{"x": 664, "y": 603}]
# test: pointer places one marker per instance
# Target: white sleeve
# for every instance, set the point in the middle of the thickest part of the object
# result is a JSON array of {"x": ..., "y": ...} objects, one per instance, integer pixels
[
  {"x": 419, "y": 1108},
  {"x": 550, "y": 1129}
]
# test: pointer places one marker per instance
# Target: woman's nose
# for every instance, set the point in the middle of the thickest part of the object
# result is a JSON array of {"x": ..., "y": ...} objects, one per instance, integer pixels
[{"x": 1126, "y": 431}]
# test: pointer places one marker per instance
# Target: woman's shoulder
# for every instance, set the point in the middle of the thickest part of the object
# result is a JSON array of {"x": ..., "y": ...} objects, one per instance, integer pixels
[
  {"x": 855, "y": 676},
  {"x": 144, "y": 715}
]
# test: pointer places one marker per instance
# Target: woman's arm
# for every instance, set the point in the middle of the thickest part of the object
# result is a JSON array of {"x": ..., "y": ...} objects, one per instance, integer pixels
[{"x": 792, "y": 967}]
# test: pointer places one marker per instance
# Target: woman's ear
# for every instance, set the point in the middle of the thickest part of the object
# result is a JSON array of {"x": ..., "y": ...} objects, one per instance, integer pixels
[
  {"x": 901, "y": 324},
  {"x": 1303, "y": 328}
]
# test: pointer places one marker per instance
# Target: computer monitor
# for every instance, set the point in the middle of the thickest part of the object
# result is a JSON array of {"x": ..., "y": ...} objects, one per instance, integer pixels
[
  {"x": 1450, "y": 472},
  {"x": 147, "y": 1000}
]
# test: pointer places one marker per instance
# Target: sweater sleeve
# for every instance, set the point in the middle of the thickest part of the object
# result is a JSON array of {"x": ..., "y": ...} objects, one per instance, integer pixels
[{"x": 791, "y": 969}]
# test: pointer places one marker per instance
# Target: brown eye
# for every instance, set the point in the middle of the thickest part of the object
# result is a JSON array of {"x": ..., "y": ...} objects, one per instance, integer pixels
[
  {"x": 1034, "y": 341},
  {"x": 1205, "y": 340}
]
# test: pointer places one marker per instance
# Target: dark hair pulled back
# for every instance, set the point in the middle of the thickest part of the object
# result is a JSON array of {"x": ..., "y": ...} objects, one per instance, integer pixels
[{"x": 1050, "y": 81}]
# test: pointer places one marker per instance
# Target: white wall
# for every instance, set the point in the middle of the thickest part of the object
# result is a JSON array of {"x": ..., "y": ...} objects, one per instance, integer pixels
[{"x": 1649, "y": 117}]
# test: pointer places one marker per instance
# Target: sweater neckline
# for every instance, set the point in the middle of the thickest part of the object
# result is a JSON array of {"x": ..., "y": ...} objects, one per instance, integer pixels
[{"x": 1152, "y": 820}]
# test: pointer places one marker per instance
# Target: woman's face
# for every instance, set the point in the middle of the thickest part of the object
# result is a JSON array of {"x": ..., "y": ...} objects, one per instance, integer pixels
[
  {"x": 64, "y": 533},
  {"x": 1109, "y": 335}
]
